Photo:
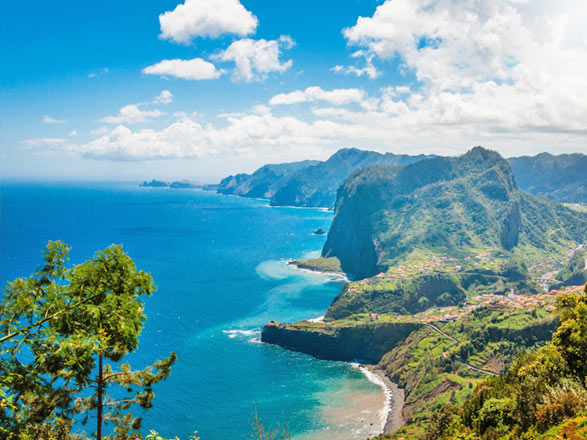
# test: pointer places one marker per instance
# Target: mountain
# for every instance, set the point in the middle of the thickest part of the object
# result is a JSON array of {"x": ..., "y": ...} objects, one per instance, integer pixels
[
  {"x": 316, "y": 185},
  {"x": 456, "y": 206},
  {"x": 562, "y": 178},
  {"x": 264, "y": 182}
]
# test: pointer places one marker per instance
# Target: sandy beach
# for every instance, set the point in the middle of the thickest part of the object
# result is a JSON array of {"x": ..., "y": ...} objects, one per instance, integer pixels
[{"x": 395, "y": 401}]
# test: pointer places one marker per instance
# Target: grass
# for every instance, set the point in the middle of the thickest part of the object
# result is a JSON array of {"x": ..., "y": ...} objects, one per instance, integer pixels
[{"x": 321, "y": 264}]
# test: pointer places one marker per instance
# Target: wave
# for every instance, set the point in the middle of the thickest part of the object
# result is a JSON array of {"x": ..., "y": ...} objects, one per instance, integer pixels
[
  {"x": 318, "y": 319},
  {"x": 377, "y": 380},
  {"x": 234, "y": 333},
  {"x": 274, "y": 270}
]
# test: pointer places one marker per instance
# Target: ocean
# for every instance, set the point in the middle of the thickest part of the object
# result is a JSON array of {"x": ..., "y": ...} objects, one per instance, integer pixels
[{"x": 219, "y": 263}]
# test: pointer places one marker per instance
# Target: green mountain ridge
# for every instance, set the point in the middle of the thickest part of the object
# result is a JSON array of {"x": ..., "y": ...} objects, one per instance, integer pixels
[
  {"x": 562, "y": 178},
  {"x": 449, "y": 257},
  {"x": 315, "y": 183},
  {"x": 264, "y": 182},
  {"x": 307, "y": 183},
  {"x": 452, "y": 206}
]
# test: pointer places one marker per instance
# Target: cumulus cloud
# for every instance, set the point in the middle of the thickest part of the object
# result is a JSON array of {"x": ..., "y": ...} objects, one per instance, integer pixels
[
  {"x": 49, "y": 120},
  {"x": 311, "y": 94},
  {"x": 252, "y": 133},
  {"x": 369, "y": 69},
  {"x": 131, "y": 114},
  {"x": 206, "y": 18},
  {"x": 499, "y": 66},
  {"x": 194, "y": 69},
  {"x": 165, "y": 97},
  {"x": 255, "y": 59}
]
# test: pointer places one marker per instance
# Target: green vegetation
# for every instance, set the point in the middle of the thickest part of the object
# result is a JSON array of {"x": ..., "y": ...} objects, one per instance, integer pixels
[
  {"x": 317, "y": 185},
  {"x": 66, "y": 332},
  {"x": 264, "y": 182},
  {"x": 561, "y": 178},
  {"x": 456, "y": 207},
  {"x": 319, "y": 264},
  {"x": 575, "y": 272},
  {"x": 542, "y": 395}
]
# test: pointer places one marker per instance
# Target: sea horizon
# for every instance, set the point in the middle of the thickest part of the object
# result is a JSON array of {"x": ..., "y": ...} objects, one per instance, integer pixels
[{"x": 215, "y": 292}]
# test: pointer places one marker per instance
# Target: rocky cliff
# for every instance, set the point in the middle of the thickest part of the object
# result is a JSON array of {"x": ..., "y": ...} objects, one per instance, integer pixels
[
  {"x": 366, "y": 342},
  {"x": 264, "y": 182},
  {"x": 450, "y": 206}
]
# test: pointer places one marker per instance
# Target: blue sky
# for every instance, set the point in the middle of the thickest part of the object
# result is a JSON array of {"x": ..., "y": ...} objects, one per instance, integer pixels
[{"x": 201, "y": 88}]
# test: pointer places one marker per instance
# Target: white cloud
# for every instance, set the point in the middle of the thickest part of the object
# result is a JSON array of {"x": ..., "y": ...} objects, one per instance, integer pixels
[
  {"x": 255, "y": 59},
  {"x": 487, "y": 67},
  {"x": 49, "y": 120},
  {"x": 99, "y": 72},
  {"x": 131, "y": 114},
  {"x": 311, "y": 94},
  {"x": 165, "y": 97},
  {"x": 44, "y": 142},
  {"x": 73, "y": 133},
  {"x": 206, "y": 18},
  {"x": 100, "y": 131},
  {"x": 368, "y": 69},
  {"x": 194, "y": 69}
]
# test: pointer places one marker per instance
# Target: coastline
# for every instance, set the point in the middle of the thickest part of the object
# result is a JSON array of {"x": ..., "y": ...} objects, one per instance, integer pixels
[
  {"x": 340, "y": 275},
  {"x": 394, "y": 402}
]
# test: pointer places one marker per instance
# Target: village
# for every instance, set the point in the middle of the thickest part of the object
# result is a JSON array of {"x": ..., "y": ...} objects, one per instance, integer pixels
[
  {"x": 526, "y": 303},
  {"x": 430, "y": 264}
]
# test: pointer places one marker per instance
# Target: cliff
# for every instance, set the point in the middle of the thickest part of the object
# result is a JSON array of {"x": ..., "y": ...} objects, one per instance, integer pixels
[
  {"x": 264, "y": 182},
  {"x": 316, "y": 186},
  {"x": 451, "y": 206},
  {"x": 367, "y": 342}
]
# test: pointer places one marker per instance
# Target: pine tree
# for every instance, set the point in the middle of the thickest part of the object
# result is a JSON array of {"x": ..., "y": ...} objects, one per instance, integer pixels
[{"x": 66, "y": 331}]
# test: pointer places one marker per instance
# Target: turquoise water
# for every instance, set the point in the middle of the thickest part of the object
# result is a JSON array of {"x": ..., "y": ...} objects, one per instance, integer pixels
[{"x": 219, "y": 264}]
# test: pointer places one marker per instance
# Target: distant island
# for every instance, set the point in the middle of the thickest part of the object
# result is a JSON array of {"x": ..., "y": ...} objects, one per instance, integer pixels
[{"x": 178, "y": 184}]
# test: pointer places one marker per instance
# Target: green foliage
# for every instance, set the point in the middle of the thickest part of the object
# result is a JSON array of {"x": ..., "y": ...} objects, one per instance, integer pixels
[
  {"x": 264, "y": 182},
  {"x": 260, "y": 431},
  {"x": 575, "y": 272},
  {"x": 450, "y": 206},
  {"x": 560, "y": 177},
  {"x": 61, "y": 325},
  {"x": 319, "y": 264},
  {"x": 542, "y": 391},
  {"x": 154, "y": 435}
]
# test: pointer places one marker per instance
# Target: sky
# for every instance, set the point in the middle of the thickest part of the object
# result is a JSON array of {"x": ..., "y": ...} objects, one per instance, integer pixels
[{"x": 199, "y": 89}]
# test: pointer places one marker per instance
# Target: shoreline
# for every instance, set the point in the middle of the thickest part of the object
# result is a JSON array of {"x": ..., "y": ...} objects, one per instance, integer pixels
[
  {"x": 394, "y": 402},
  {"x": 340, "y": 275}
]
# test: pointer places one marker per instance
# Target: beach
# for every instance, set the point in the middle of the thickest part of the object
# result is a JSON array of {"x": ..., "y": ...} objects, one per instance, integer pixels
[{"x": 393, "y": 419}]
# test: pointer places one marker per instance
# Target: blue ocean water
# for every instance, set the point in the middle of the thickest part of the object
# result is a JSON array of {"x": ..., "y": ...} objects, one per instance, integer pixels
[{"x": 219, "y": 263}]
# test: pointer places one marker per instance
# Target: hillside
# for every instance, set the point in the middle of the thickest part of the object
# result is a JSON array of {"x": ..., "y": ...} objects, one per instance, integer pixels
[
  {"x": 316, "y": 186},
  {"x": 307, "y": 183},
  {"x": 562, "y": 178},
  {"x": 456, "y": 206},
  {"x": 450, "y": 259},
  {"x": 264, "y": 182}
]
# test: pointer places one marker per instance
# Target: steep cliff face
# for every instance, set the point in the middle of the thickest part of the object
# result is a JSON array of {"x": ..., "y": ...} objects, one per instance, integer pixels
[
  {"x": 365, "y": 342},
  {"x": 445, "y": 205},
  {"x": 264, "y": 182}
]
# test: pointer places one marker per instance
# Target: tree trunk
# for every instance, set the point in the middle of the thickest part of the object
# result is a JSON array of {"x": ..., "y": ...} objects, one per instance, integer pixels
[{"x": 100, "y": 405}]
